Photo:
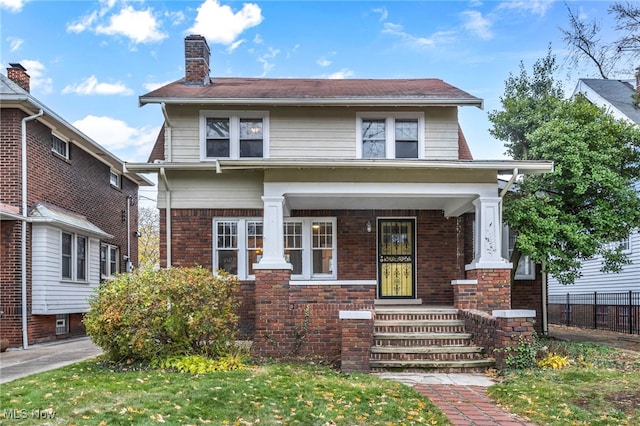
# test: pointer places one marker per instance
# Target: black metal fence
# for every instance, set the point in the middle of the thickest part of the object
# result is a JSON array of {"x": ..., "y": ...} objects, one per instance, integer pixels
[{"x": 607, "y": 311}]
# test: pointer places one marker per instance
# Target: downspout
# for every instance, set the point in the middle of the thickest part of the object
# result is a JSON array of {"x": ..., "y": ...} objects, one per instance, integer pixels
[
  {"x": 129, "y": 233},
  {"x": 168, "y": 136},
  {"x": 23, "y": 237},
  {"x": 545, "y": 325},
  {"x": 167, "y": 218}
]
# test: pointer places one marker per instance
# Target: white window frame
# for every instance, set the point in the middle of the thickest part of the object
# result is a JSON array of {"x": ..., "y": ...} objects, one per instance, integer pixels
[
  {"x": 234, "y": 132},
  {"x": 307, "y": 241},
  {"x": 529, "y": 272},
  {"x": 74, "y": 258},
  {"x": 55, "y": 138},
  {"x": 112, "y": 253},
  {"x": 114, "y": 179},
  {"x": 390, "y": 129},
  {"x": 62, "y": 324}
]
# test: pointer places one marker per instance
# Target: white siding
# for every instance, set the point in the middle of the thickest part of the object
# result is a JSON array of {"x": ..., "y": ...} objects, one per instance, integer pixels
[
  {"x": 320, "y": 132},
  {"x": 208, "y": 190},
  {"x": 50, "y": 294}
]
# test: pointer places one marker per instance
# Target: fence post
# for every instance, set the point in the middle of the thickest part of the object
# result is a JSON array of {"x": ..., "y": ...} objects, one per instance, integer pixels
[
  {"x": 568, "y": 310},
  {"x": 595, "y": 310},
  {"x": 630, "y": 312}
]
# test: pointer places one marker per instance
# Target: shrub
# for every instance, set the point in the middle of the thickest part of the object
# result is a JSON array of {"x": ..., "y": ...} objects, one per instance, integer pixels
[
  {"x": 553, "y": 361},
  {"x": 150, "y": 315},
  {"x": 522, "y": 356}
]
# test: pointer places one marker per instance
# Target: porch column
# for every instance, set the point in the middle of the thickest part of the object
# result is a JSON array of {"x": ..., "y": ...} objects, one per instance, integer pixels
[
  {"x": 273, "y": 235},
  {"x": 487, "y": 239}
]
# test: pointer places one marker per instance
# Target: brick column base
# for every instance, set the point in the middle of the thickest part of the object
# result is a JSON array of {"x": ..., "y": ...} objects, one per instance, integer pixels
[
  {"x": 357, "y": 339},
  {"x": 273, "y": 316},
  {"x": 493, "y": 290}
]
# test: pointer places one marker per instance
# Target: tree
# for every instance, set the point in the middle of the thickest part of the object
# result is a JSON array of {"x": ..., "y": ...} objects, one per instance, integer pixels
[
  {"x": 149, "y": 240},
  {"x": 587, "y": 202},
  {"x": 584, "y": 39}
]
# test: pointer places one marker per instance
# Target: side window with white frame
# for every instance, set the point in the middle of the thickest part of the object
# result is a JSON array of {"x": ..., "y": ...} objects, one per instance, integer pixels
[
  {"x": 526, "y": 268},
  {"x": 74, "y": 251},
  {"x": 390, "y": 135},
  {"x": 234, "y": 134},
  {"x": 59, "y": 146},
  {"x": 109, "y": 255},
  {"x": 114, "y": 179}
]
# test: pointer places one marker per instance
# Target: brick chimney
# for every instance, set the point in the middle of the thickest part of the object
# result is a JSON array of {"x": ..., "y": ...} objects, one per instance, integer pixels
[
  {"x": 196, "y": 60},
  {"x": 18, "y": 74}
]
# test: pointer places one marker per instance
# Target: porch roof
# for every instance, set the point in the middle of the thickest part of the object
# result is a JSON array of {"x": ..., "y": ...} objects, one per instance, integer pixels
[{"x": 506, "y": 167}]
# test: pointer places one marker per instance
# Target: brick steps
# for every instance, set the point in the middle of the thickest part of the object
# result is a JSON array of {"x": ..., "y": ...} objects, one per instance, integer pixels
[{"x": 419, "y": 338}]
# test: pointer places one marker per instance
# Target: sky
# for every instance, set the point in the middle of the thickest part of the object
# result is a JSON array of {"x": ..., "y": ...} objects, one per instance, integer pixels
[{"x": 89, "y": 61}]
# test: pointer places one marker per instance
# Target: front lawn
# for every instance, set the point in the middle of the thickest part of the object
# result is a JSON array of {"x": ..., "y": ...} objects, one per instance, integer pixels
[
  {"x": 97, "y": 393},
  {"x": 601, "y": 386}
]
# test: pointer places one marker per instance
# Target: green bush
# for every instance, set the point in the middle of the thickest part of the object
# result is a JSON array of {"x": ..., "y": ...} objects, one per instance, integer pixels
[{"x": 150, "y": 315}]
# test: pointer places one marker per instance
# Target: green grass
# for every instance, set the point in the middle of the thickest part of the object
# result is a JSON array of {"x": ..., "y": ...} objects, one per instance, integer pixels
[
  {"x": 600, "y": 387},
  {"x": 95, "y": 393}
]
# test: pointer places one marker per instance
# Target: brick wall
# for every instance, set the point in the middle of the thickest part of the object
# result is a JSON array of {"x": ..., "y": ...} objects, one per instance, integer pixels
[
  {"x": 79, "y": 184},
  {"x": 527, "y": 294},
  {"x": 493, "y": 290}
]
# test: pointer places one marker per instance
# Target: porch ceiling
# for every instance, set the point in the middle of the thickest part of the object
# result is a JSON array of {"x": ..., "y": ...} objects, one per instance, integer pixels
[{"x": 452, "y": 205}]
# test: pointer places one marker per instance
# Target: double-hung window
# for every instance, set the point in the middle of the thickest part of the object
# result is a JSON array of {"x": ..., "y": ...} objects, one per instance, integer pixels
[
  {"x": 387, "y": 135},
  {"x": 59, "y": 146},
  {"x": 74, "y": 257},
  {"x": 234, "y": 134},
  {"x": 526, "y": 268},
  {"x": 108, "y": 260}
]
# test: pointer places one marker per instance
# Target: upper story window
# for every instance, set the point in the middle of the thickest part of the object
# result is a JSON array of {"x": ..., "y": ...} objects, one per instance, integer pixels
[
  {"x": 59, "y": 146},
  {"x": 108, "y": 260},
  {"x": 114, "y": 179},
  {"x": 234, "y": 134},
  {"x": 74, "y": 257},
  {"x": 388, "y": 135}
]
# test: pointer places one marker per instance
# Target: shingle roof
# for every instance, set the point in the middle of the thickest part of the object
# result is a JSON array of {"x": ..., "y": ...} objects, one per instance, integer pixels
[
  {"x": 8, "y": 87},
  {"x": 426, "y": 90},
  {"x": 618, "y": 93}
]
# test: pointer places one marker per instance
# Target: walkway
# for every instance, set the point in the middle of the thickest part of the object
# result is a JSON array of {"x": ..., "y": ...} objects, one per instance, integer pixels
[{"x": 461, "y": 397}]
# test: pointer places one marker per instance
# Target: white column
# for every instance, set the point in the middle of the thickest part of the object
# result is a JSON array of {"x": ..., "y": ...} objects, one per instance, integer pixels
[
  {"x": 273, "y": 235},
  {"x": 488, "y": 235}
]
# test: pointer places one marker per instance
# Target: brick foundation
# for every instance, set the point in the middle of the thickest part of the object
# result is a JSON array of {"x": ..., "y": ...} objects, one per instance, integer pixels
[{"x": 357, "y": 339}]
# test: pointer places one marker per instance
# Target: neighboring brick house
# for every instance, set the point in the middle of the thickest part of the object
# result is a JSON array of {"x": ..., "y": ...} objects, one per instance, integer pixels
[
  {"x": 69, "y": 227},
  {"x": 329, "y": 199}
]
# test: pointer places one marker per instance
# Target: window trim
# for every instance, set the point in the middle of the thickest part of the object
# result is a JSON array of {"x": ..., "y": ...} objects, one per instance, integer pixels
[
  {"x": 307, "y": 252},
  {"x": 109, "y": 260},
  {"x": 390, "y": 128},
  {"x": 65, "y": 143},
  {"x": 507, "y": 249},
  {"x": 118, "y": 179},
  {"x": 73, "y": 259},
  {"x": 234, "y": 117}
]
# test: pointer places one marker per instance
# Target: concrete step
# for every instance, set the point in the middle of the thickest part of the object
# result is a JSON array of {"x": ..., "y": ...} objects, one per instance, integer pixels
[
  {"x": 431, "y": 365},
  {"x": 418, "y": 323},
  {"x": 425, "y": 349},
  {"x": 421, "y": 336}
]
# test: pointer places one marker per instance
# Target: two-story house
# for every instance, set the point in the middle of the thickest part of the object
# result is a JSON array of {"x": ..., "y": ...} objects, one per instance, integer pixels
[
  {"x": 613, "y": 307},
  {"x": 68, "y": 214},
  {"x": 327, "y": 198}
]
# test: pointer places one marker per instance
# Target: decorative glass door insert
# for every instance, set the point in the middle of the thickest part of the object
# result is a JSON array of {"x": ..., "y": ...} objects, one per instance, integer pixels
[{"x": 396, "y": 258}]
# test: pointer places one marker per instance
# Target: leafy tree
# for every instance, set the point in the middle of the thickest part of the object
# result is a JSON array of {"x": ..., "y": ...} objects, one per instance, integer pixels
[
  {"x": 569, "y": 215},
  {"x": 585, "y": 39},
  {"x": 149, "y": 240}
]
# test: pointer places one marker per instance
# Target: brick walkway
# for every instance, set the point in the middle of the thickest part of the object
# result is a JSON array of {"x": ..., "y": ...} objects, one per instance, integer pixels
[{"x": 469, "y": 405}]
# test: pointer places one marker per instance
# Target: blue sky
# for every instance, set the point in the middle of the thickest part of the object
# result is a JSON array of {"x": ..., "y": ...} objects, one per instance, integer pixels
[{"x": 90, "y": 60}]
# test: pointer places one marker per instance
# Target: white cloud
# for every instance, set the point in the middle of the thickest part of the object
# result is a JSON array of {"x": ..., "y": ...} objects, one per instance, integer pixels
[
  {"x": 477, "y": 24},
  {"x": 323, "y": 61},
  {"x": 38, "y": 81},
  {"x": 176, "y": 18},
  {"x": 83, "y": 24},
  {"x": 383, "y": 13},
  {"x": 258, "y": 39},
  {"x": 138, "y": 25},
  {"x": 219, "y": 24},
  {"x": 267, "y": 60},
  {"x": 537, "y": 7},
  {"x": 12, "y": 5},
  {"x": 14, "y": 43},
  {"x": 150, "y": 87},
  {"x": 91, "y": 86},
  {"x": 436, "y": 38},
  {"x": 340, "y": 75},
  {"x": 128, "y": 143},
  {"x": 233, "y": 46}
]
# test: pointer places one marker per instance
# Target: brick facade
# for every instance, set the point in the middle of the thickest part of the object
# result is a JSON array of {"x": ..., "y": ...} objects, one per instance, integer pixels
[
  {"x": 79, "y": 184},
  {"x": 527, "y": 294}
]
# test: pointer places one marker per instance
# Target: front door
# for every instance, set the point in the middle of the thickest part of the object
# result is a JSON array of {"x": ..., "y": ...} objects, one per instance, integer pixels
[{"x": 396, "y": 258}]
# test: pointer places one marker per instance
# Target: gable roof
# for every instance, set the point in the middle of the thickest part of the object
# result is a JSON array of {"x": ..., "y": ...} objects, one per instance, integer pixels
[
  {"x": 307, "y": 91},
  {"x": 614, "y": 95},
  {"x": 14, "y": 96}
]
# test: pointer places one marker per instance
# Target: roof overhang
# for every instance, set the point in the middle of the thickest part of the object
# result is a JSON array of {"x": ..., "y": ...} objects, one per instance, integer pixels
[
  {"x": 29, "y": 105},
  {"x": 501, "y": 167},
  {"x": 396, "y": 102},
  {"x": 67, "y": 220}
]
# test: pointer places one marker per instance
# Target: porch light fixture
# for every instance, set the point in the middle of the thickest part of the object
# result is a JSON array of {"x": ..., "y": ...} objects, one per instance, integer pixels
[{"x": 368, "y": 226}]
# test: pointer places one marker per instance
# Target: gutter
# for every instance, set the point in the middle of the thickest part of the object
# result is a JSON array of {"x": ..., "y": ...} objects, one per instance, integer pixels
[{"x": 23, "y": 237}]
